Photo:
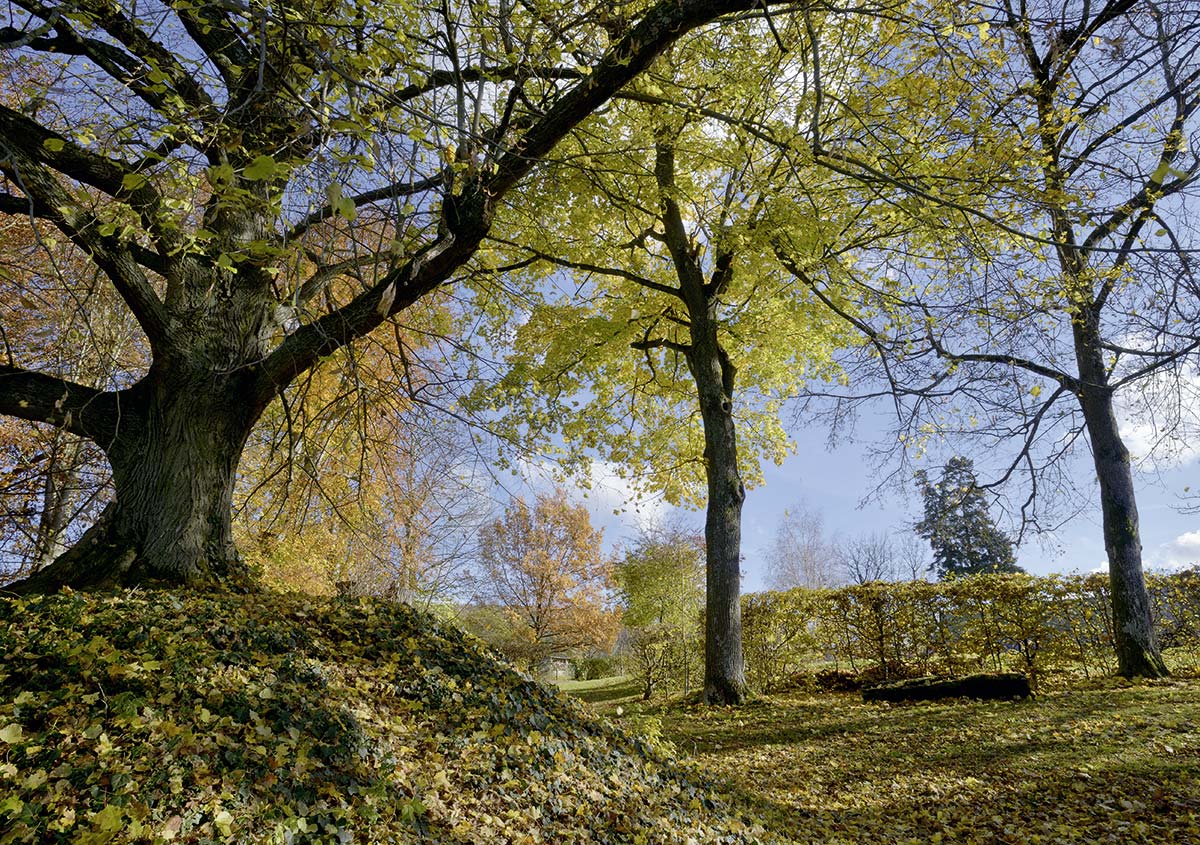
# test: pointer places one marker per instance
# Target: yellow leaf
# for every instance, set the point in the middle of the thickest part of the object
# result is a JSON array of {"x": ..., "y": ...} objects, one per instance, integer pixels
[{"x": 223, "y": 822}]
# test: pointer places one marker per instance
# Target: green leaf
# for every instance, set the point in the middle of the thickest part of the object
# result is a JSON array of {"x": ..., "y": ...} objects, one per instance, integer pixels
[
  {"x": 341, "y": 205},
  {"x": 221, "y": 174},
  {"x": 54, "y": 145},
  {"x": 11, "y": 734},
  {"x": 223, "y": 821},
  {"x": 133, "y": 181},
  {"x": 263, "y": 167},
  {"x": 345, "y": 207}
]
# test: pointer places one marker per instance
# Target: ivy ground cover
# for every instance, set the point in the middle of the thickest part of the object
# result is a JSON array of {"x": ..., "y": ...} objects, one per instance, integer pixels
[{"x": 170, "y": 717}]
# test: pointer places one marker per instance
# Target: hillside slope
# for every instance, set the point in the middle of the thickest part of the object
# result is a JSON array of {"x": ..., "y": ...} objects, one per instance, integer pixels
[{"x": 159, "y": 716}]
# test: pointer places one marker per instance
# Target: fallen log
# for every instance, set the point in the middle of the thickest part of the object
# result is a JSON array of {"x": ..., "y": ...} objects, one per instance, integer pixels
[{"x": 990, "y": 686}]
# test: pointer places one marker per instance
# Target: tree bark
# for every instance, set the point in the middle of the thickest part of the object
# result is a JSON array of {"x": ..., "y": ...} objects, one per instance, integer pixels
[
  {"x": 61, "y": 473},
  {"x": 724, "y": 668},
  {"x": 1136, "y": 644},
  {"x": 173, "y": 441},
  {"x": 713, "y": 372},
  {"x": 174, "y": 460}
]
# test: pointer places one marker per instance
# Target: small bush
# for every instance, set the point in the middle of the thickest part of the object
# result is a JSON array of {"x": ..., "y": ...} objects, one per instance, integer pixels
[{"x": 596, "y": 667}]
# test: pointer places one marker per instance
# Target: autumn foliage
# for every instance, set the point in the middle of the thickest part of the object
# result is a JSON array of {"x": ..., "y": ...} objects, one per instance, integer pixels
[{"x": 543, "y": 570}]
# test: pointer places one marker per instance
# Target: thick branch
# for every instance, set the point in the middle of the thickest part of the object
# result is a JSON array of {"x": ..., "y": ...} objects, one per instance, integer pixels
[
  {"x": 115, "y": 178},
  {"x": 41, "y": 398},
  {"x": 661, "y": 343},
  {"x": 687, "y": 268},
  {"x": 468, "y": 215},
  {"x": 117, "y": 262}
]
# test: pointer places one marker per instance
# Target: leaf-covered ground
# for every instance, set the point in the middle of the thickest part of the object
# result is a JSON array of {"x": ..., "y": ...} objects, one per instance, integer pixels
[
  {"x": 157, "y": 716},
  {"x": 1104, "y": 763}
]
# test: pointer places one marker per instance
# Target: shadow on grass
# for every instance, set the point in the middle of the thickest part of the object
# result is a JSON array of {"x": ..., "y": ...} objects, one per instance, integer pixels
[{"x": 1075, "y": 766}]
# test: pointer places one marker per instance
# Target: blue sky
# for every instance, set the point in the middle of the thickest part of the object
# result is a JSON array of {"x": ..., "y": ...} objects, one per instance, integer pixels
[{"x": 834, "y": 482}]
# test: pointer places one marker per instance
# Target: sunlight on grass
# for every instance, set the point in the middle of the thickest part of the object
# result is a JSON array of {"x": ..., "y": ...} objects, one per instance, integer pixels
[
  {"x": 1111, "y": 764},
  {"x": 604, "y": 693}
]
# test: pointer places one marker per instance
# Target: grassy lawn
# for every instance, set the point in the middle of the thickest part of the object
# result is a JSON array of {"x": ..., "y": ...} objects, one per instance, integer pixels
[
  {"x": 604, "y": 693},
  {"x": 1107, "y": 763}
]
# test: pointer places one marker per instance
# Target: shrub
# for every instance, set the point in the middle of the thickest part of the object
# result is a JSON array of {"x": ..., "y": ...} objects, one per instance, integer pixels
[{"x": 885, "y": 631}]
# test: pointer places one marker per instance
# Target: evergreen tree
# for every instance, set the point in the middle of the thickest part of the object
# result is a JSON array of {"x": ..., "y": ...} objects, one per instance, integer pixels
[{"x": 958, "y": 526}]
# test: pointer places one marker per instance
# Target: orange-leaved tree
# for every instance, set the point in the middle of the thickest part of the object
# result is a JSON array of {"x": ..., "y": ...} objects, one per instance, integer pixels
[{"x": 544, "y": 570}]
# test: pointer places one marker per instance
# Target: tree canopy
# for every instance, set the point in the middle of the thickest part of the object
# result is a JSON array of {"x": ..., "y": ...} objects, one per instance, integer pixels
[{"x": 262, "y": 185}]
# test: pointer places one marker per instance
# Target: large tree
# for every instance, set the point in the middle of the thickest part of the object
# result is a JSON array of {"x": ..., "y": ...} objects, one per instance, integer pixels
[
  {"x": 662, "y": 336},
  {"x": 221, "y": 165},
  {"x": 1051, "y": 277}
]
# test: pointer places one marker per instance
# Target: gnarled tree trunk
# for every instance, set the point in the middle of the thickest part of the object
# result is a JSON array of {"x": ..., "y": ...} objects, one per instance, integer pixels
[
  {"x": 203, "y": 281},
  {"x": 174, "y": 457}
]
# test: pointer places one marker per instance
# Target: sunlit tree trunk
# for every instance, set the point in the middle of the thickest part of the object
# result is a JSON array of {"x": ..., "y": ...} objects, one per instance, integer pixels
[
  {"x": 174, "y": 459},
  {"x": 724, "y": 670},
  {"x": 1133, "y": 622}
]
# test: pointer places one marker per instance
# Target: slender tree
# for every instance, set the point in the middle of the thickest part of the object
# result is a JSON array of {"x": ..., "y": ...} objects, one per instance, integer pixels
[
  {"x": 802, "y": 553},
  {"x": 1051, "y": 275},
  {"x": 870, "y": 557},
  {"x": 661, "y": 336},
  {"x": 661, "y": 587}
]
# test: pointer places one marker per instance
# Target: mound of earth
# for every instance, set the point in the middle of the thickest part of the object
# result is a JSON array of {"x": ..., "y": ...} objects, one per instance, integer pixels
[{"x": 160, "y": 716}]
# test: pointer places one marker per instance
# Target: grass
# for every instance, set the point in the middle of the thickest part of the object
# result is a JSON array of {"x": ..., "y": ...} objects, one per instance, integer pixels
[
  {"x": 604, "y": 691},
  {"x": 1105, "y": 762}
]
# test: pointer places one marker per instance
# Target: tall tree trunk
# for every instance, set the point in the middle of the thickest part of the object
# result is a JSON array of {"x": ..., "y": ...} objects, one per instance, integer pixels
[
  {"x": 1133, "y": 622},
  {"x": 174, "y": 459},
  {"x": 724, "y": 668}
]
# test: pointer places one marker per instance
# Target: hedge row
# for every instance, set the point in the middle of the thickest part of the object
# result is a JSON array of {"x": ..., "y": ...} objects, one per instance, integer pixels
[{"x": 988, "y": 622}]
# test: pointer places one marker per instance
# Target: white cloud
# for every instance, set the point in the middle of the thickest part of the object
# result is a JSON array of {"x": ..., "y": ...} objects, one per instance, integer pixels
[
  {"x": 1180, "y": 553},
  {"x": 1158, "y": 419},
  {"x": 613, "y": 499},
  {"x": 1153, "y": 448},
  {"x": 612, "y": 502}
]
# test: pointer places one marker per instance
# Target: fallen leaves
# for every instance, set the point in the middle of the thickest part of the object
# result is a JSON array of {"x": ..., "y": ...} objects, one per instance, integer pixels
[
  {"x": 1076, "y": 765},
  {"x": 161, "y": 717}
]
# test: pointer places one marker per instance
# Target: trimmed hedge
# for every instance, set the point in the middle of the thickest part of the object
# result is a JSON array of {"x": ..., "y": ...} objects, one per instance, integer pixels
[{"x": 985, "y": 623}]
